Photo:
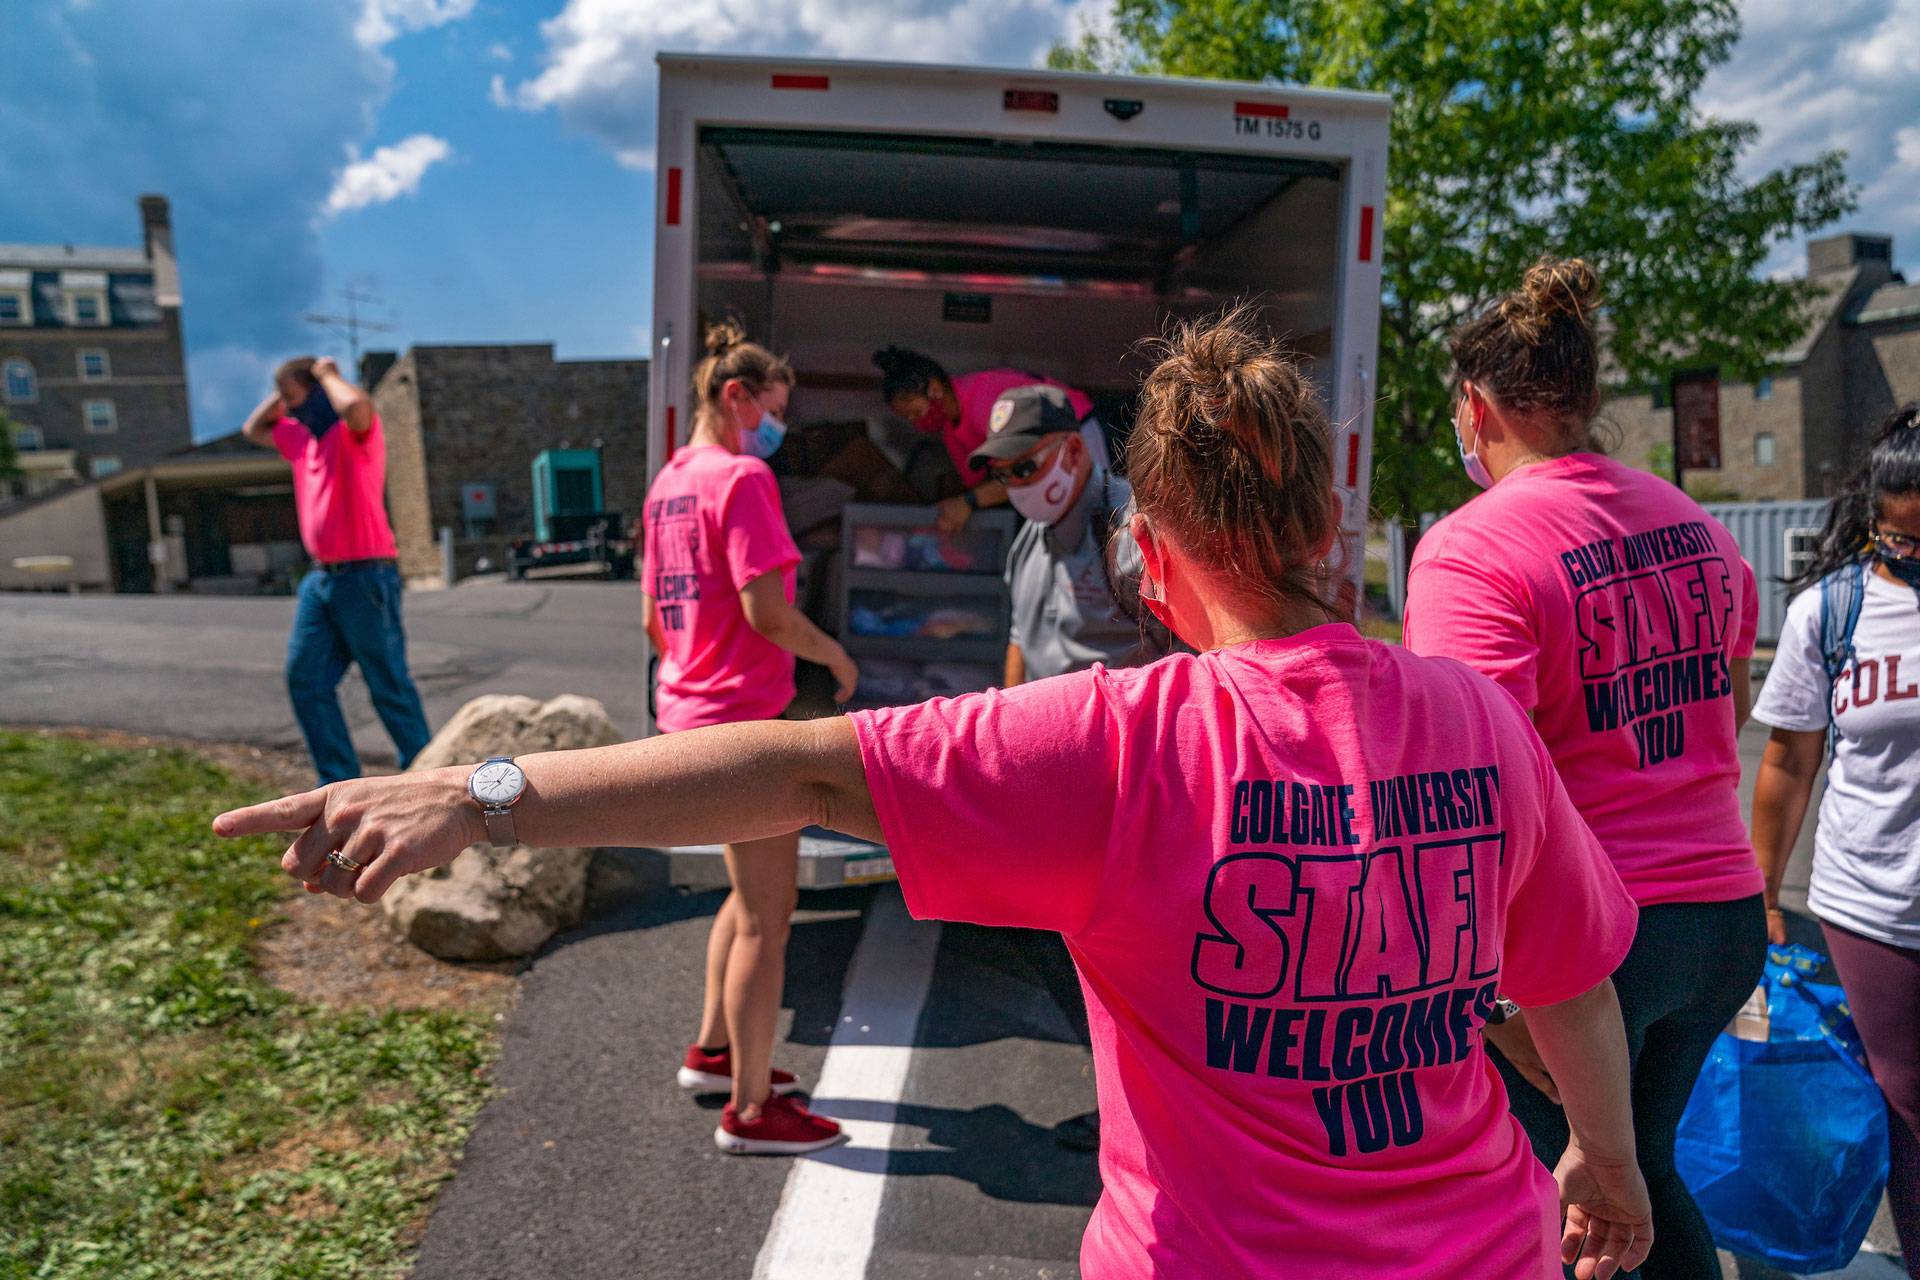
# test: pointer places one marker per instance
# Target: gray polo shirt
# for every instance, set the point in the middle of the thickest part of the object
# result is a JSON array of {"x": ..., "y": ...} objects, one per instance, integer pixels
[{"x": 1064, "y": 615}]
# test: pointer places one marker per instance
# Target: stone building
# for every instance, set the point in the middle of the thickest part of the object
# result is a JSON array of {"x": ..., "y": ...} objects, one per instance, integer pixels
[
  {"x": 1796, "y": 432},
  {"x": 465, "y": 419},
  {"x": 91, "y": 358}
]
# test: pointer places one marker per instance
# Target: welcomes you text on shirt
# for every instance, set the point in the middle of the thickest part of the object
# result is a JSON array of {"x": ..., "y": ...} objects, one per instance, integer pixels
[
  {"x": 1653, "y": 613},
  {"x": 1383, "y": 961}
]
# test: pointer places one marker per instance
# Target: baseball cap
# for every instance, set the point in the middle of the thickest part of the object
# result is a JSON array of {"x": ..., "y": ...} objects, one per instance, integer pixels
[{"x": 1021, "y": 418}]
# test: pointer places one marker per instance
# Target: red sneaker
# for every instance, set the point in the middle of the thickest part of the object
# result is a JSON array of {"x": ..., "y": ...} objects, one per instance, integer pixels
[
  {"x": 785, "y": 1128},
  {"x": 713, "y": 1073}
]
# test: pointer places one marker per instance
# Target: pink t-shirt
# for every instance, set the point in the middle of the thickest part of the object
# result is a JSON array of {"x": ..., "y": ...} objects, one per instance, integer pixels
[
  {"x": 976, "y": 393},
  {"x": 339, "y": 489},
  {"x": 1611, "y": 606},
  {"x": 1292, "y": 874},
  {"x": 714, "y": 524}
]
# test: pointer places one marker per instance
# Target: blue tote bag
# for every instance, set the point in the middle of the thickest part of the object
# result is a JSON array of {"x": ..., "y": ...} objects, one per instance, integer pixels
[{"x": 1784, "y": 1142}]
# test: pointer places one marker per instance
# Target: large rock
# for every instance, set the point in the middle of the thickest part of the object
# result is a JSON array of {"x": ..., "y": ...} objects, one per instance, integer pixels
[{"x": 488, "y": 903}]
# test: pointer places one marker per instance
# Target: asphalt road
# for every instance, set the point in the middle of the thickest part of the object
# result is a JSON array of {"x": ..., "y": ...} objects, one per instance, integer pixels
[{"x": 590, "y": 1162}]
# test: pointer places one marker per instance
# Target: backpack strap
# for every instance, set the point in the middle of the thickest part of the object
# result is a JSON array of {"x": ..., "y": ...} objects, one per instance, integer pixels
[{"x": 1841, "y": 593}]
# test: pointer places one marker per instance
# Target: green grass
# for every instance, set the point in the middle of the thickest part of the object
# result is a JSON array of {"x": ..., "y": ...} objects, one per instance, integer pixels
[{"x": 164, "y": 1112}]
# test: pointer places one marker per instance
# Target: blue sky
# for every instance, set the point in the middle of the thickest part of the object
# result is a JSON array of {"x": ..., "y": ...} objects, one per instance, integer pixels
[{"x": 485, "y": 165}]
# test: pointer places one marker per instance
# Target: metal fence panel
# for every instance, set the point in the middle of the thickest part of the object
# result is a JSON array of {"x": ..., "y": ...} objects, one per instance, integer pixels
[{"x": 1764, "y": 531}]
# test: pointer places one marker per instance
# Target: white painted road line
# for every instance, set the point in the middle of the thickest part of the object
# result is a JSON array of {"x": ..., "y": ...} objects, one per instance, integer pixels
[{"x": 823, "y": 1229}]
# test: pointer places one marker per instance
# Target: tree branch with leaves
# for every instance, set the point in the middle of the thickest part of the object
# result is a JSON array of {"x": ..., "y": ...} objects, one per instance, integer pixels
[{"x": 1520, "y": 128}]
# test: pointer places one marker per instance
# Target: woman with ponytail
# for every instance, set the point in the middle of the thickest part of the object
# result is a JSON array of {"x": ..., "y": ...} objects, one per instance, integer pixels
[
  {"x": 1621, "y": 617},
  {"x": 1292, "y": 868},
  {"x": 1847, "y": 672},
  {"x": 718, "y": 573},
  {"x": 957, "y": 408}
]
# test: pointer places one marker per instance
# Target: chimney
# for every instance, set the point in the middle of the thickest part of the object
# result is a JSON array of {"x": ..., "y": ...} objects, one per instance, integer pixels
[
  {"x": 1872, "y": 254},
  {"x": 156, "y": 222}
]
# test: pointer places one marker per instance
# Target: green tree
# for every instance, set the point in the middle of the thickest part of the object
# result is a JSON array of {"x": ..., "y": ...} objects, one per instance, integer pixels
[
  {"x": 9, "y": 452},
  {"x": 1524, "y": 127}
]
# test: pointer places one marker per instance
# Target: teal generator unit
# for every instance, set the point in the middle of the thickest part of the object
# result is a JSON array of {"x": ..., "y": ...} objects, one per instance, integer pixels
[{"x": 566, "y": 488}]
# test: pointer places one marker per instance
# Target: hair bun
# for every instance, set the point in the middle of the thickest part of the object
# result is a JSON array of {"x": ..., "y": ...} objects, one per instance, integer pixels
[
  {"x": 724, "y": 335},
  {"x": 1552, "y": 287}
]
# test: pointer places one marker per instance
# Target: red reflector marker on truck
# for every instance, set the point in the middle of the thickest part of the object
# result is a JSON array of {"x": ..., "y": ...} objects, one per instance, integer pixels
[
  {"x": 1353, "y": 460},
  {"x": 1030, "y": 100},
  {"x": 799, "y": 82},
  {"x": 1266, "y": 110},
  {"x": 673, "y": 197},
  {"x": 1366, "y": 233}
]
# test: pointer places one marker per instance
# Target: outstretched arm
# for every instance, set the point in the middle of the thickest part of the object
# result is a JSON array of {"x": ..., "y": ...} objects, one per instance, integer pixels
[{"x": 725, "y": 784}]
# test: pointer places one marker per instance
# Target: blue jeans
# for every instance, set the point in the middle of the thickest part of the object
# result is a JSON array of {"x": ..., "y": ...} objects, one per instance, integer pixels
[{"x": 343, "y": 618}]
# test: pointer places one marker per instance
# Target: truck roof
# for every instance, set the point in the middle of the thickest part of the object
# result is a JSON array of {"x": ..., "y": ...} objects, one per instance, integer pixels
[{"x": 1352, "y": 99}]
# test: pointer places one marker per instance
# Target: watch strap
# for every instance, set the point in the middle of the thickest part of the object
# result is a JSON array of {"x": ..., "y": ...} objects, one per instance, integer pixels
[{"x": 500, "y": 826}]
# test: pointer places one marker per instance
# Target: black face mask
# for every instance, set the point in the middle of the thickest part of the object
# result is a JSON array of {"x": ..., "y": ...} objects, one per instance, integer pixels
[
  {"x": 1908, "y": 571},
  {"x": 316, "y": 412}
]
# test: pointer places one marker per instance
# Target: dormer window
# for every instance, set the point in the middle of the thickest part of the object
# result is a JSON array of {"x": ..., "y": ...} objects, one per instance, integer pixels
[
  {"x": 86, "y": 295},
  {"x": 16, "y": 298}
]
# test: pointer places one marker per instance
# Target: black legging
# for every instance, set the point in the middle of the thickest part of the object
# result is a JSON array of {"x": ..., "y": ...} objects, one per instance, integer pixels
[{"x": 1693, "y": 964}]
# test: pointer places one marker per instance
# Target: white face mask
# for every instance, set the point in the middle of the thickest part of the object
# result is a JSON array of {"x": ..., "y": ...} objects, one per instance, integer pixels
[{"x": 1047, "y": 498}]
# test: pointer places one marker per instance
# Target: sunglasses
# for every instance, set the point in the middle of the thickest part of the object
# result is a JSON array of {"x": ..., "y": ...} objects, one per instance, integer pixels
[
  {"x": 1896, "y": 546},
  {"x": 1024, "y": 468}
]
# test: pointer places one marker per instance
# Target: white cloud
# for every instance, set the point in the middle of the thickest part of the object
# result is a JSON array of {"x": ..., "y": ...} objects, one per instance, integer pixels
[
  {"x": 1843, "y": 74},
  {"x": 381, "y": 21},
  {"x": 598, "y": 68},
  {"x": 387, "y": 174},
  {"x": 221, "y": 378},
  {"x": 499, "y": 52}
]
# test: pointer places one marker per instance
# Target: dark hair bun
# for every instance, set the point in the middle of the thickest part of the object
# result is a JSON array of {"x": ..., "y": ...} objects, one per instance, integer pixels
[
  {"x": 1552, "y": 287},
  {"x": 724, "y": 335}
]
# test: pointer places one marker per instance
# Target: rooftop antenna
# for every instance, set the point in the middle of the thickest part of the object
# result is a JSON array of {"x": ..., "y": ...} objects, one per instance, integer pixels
[{"x": 351, "y": 325}]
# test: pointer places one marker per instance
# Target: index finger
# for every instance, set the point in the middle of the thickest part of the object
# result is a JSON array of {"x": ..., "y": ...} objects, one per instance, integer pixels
[{"x": 289, "y": 813}]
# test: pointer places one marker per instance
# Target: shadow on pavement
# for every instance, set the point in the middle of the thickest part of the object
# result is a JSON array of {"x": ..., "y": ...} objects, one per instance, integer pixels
[{"x": 992, "y": 1147}]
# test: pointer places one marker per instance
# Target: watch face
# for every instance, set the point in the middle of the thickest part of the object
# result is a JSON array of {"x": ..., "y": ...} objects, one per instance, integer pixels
[{"x": 497, "y": 782}]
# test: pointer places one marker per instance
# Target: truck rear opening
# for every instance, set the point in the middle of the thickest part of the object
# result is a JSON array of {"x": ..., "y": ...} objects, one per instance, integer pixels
[{"x": 1042, "y": 221}]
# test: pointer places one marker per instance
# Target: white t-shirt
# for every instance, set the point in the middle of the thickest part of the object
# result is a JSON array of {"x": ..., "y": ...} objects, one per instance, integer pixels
[{"x": 1866, "y": 849}]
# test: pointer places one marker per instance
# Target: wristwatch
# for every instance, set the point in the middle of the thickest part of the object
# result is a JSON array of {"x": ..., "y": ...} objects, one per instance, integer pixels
[
  {"x": 496, "y": 785},
  {"x": 971, "y": 498}
]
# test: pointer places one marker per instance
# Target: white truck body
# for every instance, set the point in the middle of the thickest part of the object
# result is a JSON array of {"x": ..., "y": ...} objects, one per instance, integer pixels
[{"x": 987, "y": 217}]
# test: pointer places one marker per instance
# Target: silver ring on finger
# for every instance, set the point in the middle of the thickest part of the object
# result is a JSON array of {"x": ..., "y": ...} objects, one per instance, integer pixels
[{"x": 342, "y": 861}]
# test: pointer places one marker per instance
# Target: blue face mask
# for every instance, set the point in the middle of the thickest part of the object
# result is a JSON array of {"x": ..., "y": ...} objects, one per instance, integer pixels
[
  {"x": 764, "y": 440},
  {"x": 1908, "y": 571},
  {"x": 316, "y": 412},
  {"x": 1475, "y": 468}
]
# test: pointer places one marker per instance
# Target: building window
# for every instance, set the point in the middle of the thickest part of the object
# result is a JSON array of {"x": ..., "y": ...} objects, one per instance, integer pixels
[
  {"x": 1763, "y": 389},
  {"x": 94, "y": 366},
  {"x": 87, "y": 307},
  {"x": 1763, "y": 449},
  {"x": 22, "y": 386},
  {"x": 104, "y": 466},
  {"x": 100, "y": 417},
  {"x": 27, "y": 439},
  {"x": 16, "y": 307}
]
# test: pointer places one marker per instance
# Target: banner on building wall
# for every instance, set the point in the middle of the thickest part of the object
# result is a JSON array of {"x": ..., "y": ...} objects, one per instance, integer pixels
[{"x": 1696, "y": 420}]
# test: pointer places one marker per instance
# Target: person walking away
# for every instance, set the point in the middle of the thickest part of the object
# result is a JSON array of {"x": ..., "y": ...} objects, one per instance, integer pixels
[
  {"x": 1621, "y": 617},
  {"x": 348, "y": 609},
  {"x": 718, "y": 571},
  {"x": 1290, "y": 898},
  {"x": 958, "y": 409},
  {"x": 1848, "y": 671},
  {"x": 1061, "y": 569}
]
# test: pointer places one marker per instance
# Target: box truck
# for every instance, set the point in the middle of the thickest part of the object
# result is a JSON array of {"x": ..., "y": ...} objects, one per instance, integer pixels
[{"x": 990, "y": 218}]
